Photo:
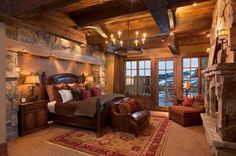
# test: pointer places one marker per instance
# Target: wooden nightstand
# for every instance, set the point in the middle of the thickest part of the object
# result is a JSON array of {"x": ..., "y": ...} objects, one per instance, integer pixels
[{"x": 33, "y": 116}]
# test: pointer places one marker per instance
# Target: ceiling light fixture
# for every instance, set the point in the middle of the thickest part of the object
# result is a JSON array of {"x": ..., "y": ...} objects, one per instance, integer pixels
[
  {"x": 194, "y": 4},
  {"x": 132, "y": 45}
]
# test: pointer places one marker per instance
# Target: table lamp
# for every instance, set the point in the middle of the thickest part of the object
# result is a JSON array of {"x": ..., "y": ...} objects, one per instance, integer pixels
[
  {"x": 89, "y": 79},
  {"x": 32, "y": 80},
  {"x": 186, "y": 87}
]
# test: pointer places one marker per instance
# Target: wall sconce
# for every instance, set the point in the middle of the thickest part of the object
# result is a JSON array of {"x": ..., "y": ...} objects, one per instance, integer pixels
[
  {"x": 223, "y": 34},
  {"x": 223, "y": 37}
]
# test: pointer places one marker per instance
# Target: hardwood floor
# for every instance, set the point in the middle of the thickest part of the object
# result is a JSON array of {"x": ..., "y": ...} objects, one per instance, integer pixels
[{"x": 189, "y": 141}]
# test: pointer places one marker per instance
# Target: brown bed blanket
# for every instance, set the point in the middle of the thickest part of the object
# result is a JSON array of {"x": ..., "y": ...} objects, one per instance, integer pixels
[{"x": 86, "y": 107}]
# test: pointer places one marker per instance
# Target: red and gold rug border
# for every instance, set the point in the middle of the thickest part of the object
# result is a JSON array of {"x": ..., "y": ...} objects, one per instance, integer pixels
[{"x": 84, "y": 148}]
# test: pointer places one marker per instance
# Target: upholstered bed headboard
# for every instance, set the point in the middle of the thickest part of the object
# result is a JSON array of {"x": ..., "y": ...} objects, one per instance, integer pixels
[{"x": 64, "y": 78}]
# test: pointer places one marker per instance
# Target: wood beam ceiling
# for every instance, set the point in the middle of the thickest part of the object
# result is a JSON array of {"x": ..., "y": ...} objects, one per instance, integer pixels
[
  {"x": 27, "y": 8},
  {"x": 173, "y": 4},
  {"x": 82, "y": 4},
  {"x": 99, "y": 13},
  {"x": 159, "y": 12}
]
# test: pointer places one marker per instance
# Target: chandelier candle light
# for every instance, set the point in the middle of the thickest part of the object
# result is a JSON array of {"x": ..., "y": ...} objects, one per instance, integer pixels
[{"x": 122, "y": 46}]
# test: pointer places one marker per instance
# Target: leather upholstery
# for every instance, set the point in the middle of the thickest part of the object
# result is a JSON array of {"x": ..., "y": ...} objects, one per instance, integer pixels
[
  {"x": 130, "y": 122},
  {"x": 140, "y": 116}
]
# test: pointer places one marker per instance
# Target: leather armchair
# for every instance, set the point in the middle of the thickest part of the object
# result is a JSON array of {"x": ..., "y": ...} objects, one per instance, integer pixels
[{"x": 130, "y": 122}]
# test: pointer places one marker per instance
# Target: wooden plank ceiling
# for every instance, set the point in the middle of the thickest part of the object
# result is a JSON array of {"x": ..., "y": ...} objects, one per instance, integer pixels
[{"x": 80, "y": 17}]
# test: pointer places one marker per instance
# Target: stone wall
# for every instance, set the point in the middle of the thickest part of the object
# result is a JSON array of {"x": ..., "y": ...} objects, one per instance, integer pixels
[
  {"x": 12, "y": 73},
  {"x": 45, "y": 43},
  {"x": 224, "y": 19}
]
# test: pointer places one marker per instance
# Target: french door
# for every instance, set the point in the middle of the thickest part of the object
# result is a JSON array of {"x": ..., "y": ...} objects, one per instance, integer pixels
[{"x": 165, "y": 83}]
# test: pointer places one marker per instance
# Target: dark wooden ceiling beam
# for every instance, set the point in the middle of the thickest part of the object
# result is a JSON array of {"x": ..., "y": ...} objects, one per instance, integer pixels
[
  {"x": 103, "y": 12},
  {"x": 172, "y": 44},
  {"x": 159, "y": 12}
]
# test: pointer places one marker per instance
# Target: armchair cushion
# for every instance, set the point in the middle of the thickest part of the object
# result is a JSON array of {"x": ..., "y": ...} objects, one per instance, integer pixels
[
  {"x": 124, "y": 108},
  {"x": 188, "y": 102},
  {"x": 132, "y": 105}
]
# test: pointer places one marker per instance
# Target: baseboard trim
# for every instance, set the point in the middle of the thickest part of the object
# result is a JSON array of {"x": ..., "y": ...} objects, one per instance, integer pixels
[{"x": 3, "y": 149}]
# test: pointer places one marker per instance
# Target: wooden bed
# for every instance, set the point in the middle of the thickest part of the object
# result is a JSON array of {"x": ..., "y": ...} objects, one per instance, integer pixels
[{"x": 101, "y": 118}]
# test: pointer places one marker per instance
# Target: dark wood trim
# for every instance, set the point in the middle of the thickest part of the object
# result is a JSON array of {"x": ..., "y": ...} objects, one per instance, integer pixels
[{"x": 3, "y": 149}]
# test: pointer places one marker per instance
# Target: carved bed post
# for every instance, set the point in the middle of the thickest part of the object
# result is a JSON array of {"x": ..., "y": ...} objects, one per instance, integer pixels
[
  {"x": 43, "y": 82},
  {"x": 99, "y": 118},
  {"x": 127, "y": 94}
]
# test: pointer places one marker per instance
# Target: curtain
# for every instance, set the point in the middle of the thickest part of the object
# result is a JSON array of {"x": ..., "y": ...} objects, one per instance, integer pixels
[{"x": 119, "y": 82}]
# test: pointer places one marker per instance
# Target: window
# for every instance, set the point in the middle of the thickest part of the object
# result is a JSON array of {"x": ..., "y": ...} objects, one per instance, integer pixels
[
  {"x": 144, "y": 77},
  {"x": 165, "y": 83},
  {"x": 131, "y": 77},
  {"x": 138, "y": 77},
  {"x": 192, "y": 72}
]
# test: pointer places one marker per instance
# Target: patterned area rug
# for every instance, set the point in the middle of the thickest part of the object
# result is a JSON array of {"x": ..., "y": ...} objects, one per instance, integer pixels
[{"x": 150, "y": 142}]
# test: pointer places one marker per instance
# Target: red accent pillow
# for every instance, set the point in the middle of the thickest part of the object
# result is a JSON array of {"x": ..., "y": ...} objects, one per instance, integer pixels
[
  {"x": 132, "y": 105},
  {"x": 53, "y": 94},
  {"x": 85, "y": 94},
  {"x": 96, "y": 92},
  {"x": 188, "y": 102}
]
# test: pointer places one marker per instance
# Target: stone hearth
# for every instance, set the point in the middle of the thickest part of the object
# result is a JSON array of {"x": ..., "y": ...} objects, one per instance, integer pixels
[{"x": 217, "y": 145}]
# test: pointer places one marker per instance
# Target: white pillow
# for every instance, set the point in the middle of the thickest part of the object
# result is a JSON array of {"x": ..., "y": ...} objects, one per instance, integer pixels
[{"x": 66, "y": 95}]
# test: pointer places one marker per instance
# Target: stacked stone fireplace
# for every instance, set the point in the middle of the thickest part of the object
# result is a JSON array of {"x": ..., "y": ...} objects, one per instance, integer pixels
[{"x": 219, "y": 121}]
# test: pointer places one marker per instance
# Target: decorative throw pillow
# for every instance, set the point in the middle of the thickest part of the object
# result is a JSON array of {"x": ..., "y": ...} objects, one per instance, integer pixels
[
  {"x": 76, "y": 92},
  {"x": 124, "y": 108},
  {"x": 188, "y": 102},
  {"x": 85, "y": 94},
  {"x": 66, "y": 95},
  {"x": 132, "y": 104},
  {"x": 96, "y": 92},
  {"x": 53, "y": 95},
  {"x": 58, "y": 87}
]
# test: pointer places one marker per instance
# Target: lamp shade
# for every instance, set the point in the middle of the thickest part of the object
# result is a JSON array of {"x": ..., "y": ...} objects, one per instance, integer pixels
[
  {"x": 89, "y": 79},
  {"x": 32, "y": 79},
  {"x": 187, "y": 85}
]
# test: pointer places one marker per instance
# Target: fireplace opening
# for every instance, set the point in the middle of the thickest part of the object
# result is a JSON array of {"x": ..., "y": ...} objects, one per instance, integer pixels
[
  {"x": 213, "y": 103},
  {"x": 216, "y": 105}
]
